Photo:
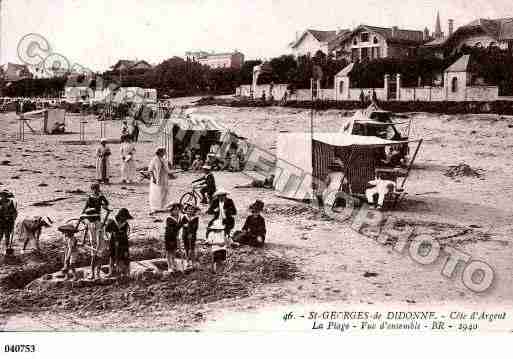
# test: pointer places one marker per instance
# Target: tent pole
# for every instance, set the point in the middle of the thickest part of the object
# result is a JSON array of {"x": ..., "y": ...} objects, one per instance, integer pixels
[{"x": 411, "y": 163}]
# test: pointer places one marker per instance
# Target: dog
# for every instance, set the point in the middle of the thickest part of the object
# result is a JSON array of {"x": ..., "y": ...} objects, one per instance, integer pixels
[{"x": 30, "y": 228}]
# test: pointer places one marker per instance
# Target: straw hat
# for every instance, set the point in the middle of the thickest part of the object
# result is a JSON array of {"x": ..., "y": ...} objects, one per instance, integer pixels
[
  {"x": 220, "y": 192},
  {"x": 257, "y": 206},
  {"x": 217, "y": 226},
  {"x": 103, "y": 140}
]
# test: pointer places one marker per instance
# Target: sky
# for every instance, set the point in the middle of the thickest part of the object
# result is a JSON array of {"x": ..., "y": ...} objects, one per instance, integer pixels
[{"x": 96, "y": 33}]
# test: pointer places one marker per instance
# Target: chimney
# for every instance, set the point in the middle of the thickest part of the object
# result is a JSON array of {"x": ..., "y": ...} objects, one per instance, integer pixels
[
  {"x": 426, "y": 34},
  {"x": 395, "y": 31},
  {"x": 451, "y": 26}
]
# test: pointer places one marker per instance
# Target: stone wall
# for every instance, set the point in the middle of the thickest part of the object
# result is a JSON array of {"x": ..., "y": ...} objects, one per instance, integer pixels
[
  {"x": 422, "y": 94},
  {"x": 482, "y": 93}
]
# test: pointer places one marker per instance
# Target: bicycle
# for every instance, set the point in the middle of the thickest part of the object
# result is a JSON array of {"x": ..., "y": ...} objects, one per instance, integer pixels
[{"x": 192, "y": 197}]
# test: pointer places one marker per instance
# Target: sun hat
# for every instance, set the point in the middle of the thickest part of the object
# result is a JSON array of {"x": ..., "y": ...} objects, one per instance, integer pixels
[
  {"x": 103, "y": 140},
  {"x": 206, "y": 167},
  {"x": 221, "y": 191},
  {"x": 5, "y": 193},
  {"x": 257, "y": 206},
  {"x": 124, "y": 213}
]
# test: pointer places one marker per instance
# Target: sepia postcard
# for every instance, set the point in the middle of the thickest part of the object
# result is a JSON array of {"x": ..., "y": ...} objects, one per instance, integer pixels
[{"x": 274, "y": 166}]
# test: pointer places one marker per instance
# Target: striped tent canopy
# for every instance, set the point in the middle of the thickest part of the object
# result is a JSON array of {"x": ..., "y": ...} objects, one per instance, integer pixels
[{"x": 301, "y": 158}]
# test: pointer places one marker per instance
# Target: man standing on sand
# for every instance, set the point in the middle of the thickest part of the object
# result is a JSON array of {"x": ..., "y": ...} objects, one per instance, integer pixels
[
  {"x": 102, "y": 162},
  {"x": 159, "y": 179}
]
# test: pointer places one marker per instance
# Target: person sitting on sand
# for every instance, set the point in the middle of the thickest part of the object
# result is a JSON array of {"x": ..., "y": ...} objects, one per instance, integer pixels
[
  {"x": 172, "y": 227},
  {"x": 254, "y": 231},
  {"x": 267, "y": 183},
  {"x": 8, "y": 214},
  {"x": 102, "y": 162},
  {"x": 118, "y": 229},
  {"x": 197, "y": 164},
  {"x": 380, "y": 188},
  {"x": 92, "y": 213}
]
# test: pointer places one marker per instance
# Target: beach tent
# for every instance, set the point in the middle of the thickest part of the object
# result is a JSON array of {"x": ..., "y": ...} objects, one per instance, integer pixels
[
  {"x": 196, "y": 130},
  {"x": 301, "y": 159}
]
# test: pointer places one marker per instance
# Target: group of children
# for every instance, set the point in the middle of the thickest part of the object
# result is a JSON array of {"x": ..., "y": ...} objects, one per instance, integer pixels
[{"x": 109, "y": 237}]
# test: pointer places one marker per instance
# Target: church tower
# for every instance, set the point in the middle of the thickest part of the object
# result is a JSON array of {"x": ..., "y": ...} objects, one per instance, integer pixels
[{"x": 438, "y": 28}]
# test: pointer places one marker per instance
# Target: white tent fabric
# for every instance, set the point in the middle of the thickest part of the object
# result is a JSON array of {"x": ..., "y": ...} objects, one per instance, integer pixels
[{"x": 293, "y": 171}]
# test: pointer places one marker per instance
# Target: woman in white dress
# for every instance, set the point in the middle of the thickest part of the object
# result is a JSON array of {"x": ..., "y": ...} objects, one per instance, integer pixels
[
  {"x": 159, "y": 171},
  {"x": 127, "y": 160}
]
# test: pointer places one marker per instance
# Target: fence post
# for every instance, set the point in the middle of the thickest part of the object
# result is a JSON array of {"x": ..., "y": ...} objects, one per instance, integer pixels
[
  {"x": 398, "y": 95},
  {"x": 387, "y": 79}
]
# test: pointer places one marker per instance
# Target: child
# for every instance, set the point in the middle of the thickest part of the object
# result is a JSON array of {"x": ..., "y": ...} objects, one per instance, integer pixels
[
  {"x": 92, "y": 212},
  {"x": 217, "y": 239},
  {"x": 71, "y": 251},
  {"x": 8, "y": 214},
  {"x": 172, "y": 228},
  {"x": 190, "y": 221},
  {"x": 209, "y": 184},
  {"x": 253, "y": 231},
  {"x": 118, "y": 228}
]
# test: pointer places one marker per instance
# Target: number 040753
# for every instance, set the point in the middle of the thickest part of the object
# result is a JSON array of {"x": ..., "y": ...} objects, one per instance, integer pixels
[{"x": 19, "y": 348}]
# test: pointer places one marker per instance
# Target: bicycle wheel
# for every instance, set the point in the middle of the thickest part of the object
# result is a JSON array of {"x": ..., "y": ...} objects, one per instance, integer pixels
[{"x": 188, "y": 199}]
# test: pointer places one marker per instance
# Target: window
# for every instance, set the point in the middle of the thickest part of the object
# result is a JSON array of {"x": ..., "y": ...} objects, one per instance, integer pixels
[
  {"x": 355, "y": 41},
  {"x": 454, "y": 84},
  {"x": 365, "y": 53},
  {"x": 364, "y": 37},
  {"x": 354, "y": 55},
  {"x": 375, "y": 40},
  {"x": 341, "y": 87}
]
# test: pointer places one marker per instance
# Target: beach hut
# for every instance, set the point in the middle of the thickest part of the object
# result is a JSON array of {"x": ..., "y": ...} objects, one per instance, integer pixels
[{"x": 303, "y": 158}]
